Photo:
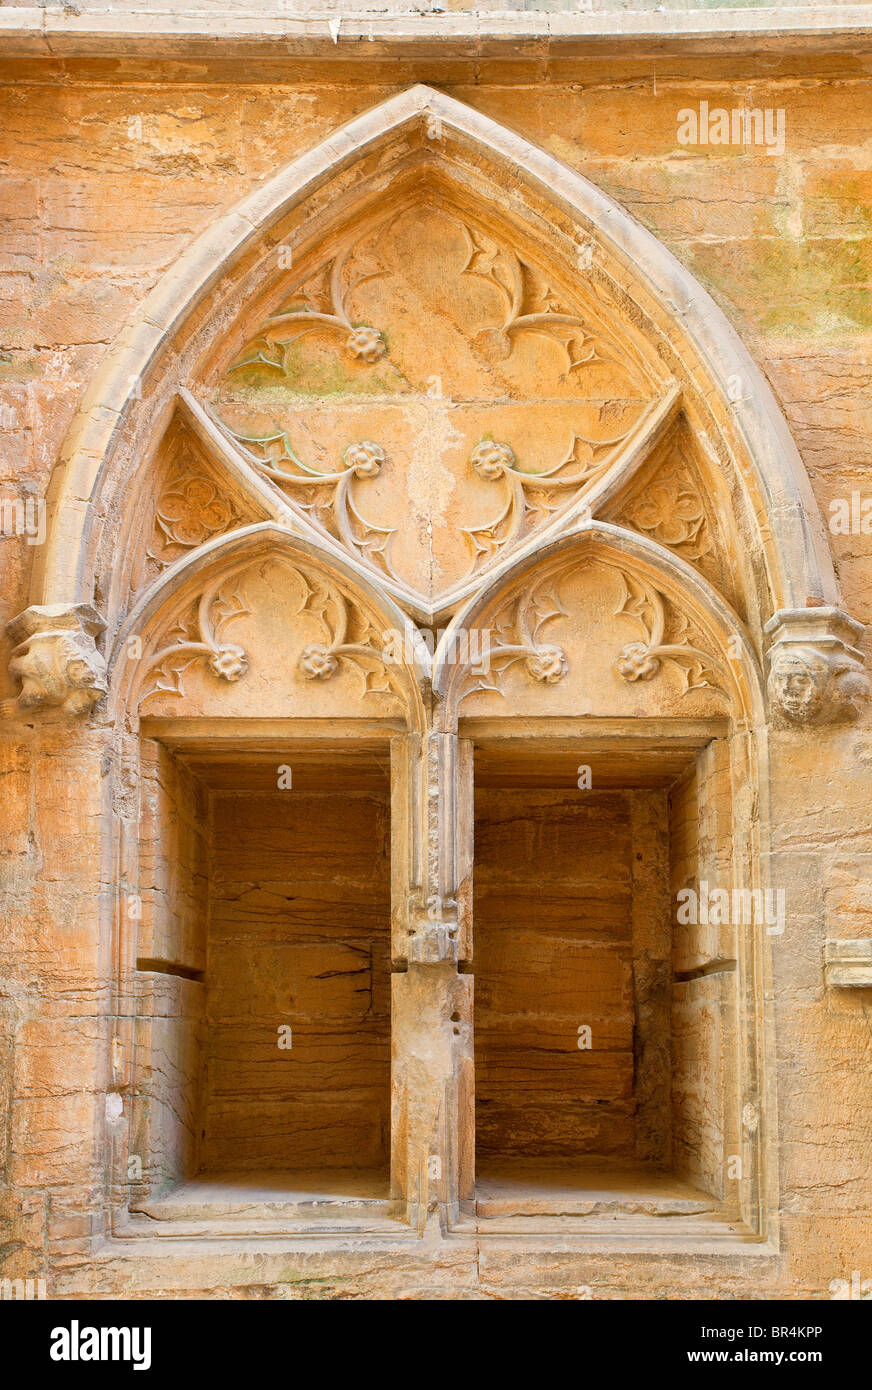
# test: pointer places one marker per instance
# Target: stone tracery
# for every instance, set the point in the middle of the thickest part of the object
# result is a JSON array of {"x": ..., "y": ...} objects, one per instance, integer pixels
[
  {"x": 548, "y": 489},
  {"x": 191, "y": 509},
  {"x": 200, "y": 635},
  {"x": 566, "y": 443}
]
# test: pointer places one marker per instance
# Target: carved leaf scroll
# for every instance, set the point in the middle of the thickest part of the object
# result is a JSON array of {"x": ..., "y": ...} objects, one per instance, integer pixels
[
  {"x": 321, "y": 302},
  {"x": 517, "y": 636},
  {"x": 380, "y": 298},
  {"x": 350, "y": 637},
  {"x": 200, "y": 637},
  {"x": 668, "y": 636}
]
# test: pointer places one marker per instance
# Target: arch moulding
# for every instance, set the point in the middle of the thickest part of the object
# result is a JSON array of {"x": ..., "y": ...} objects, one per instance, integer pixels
[{"x": 795, "y": 600}]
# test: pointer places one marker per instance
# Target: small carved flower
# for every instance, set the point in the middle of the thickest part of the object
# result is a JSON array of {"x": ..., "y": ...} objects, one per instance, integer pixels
[
  {"x": 317, "y": 662},
  {"x": 491, "y": 460},
  {"x": 635, "y": 662},
  {"x": 229, "y": 662},
  {"x": 365, "y": 458},
  {"x": 366, "y": 343},
  {"x": 549, "y": 665},
  {"x": 194, "y": 512},
  {"x": 494, "y": 344}
]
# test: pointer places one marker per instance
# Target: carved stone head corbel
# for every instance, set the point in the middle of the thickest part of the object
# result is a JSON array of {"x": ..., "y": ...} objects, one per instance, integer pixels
[
  {"x": 56, "y": 659},
  {"x": 816, "y": 673}
]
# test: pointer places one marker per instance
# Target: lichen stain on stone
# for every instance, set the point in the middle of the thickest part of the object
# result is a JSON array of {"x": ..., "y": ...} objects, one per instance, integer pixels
[
  {"x": 323, "y": 375},
  {"x": 814, "y": 289}
]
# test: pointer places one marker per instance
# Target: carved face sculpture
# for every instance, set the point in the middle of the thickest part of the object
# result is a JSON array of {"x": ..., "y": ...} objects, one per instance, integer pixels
[
  {"x": 491, "y": 460},
  {"x": 853, "y": 691},
  {"x": 35, "y": 666},
  {"x": 54, "y": 670},
  {"x": 798, "y": 684}
]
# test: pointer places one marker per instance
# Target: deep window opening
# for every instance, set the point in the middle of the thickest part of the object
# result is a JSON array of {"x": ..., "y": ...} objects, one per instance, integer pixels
[
  {"x": 268, "y": 940},
  {"x": 598, "y": 1054}
]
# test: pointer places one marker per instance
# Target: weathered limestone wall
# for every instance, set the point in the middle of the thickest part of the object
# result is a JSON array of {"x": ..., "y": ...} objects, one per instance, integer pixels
[
  {"x": 103, "y": 182},
  {"x": 55, "y": 970},
  {"x": 821, "y": 808}
]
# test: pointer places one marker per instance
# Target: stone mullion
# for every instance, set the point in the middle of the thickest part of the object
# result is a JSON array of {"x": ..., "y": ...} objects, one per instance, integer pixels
[
  {"x": 748, "y": 1118},
  {"x": 128, "y": 1028},
  {"x": 432, "y": 1131}
]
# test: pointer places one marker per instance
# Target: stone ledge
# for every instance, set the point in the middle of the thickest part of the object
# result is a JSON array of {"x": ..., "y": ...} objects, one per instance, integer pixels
[{"x": 154, "y": 32}]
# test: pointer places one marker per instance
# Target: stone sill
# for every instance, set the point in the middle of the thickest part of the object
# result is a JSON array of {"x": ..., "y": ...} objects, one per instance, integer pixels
[
  {"x": 139, "y": 1244},
  {"x": 144, "y": 32},
  {"x": 656, "y": 1213}
]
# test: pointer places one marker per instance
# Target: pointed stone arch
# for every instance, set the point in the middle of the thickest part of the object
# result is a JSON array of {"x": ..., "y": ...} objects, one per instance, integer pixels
[
  {"x": 658, "y": 589},
  {"x": 152, "y": 383},
  {"x": 708, "y": 375},
  {"x": 356, "y": 624},
  {"x": 661, "y": 618}
]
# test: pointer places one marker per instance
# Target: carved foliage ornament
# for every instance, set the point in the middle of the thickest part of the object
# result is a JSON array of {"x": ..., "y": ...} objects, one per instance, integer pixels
[
  {"x": 201, "y": 637},
  {"x": 668, "y": 636},
  {"x": 673, "y": 513},
  {"x": 190, "y": 510},
  {"x": 517, "y": 636},
  {"x": 587, "y": 459},
  {"x": 321, "y": 302},
  {"x": 523, "y": 303},
  {"x": 328, "y": 498},
  {"x": 350, "y": 638},
  {"x": 530, "y": 305}
]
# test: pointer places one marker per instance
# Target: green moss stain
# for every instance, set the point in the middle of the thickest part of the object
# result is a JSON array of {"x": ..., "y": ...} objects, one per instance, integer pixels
[
  {"x": 813, "y": 288},
  {"x": 839, "y": 206},
  {"x": 320, "y": 374}
]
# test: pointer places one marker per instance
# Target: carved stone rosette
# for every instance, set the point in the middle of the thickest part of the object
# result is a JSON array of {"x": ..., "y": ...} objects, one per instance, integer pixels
[
  {"x": 56, "y": 659},
  {"x": 816, "y": 673}
]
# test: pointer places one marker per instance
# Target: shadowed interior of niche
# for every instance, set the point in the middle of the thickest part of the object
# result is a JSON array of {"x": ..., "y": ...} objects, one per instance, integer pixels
[
  {"x": 268, "y": 938},
  {"x": 599, "y": 1083},
  {"x": 601, "y": 1023}
]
